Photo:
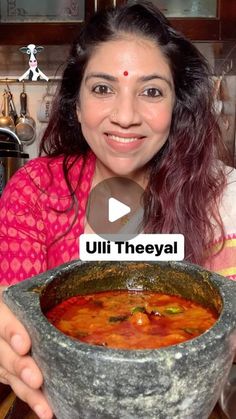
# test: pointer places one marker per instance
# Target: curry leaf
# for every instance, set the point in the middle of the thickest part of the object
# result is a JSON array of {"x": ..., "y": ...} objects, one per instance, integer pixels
[
  {"x": 138, "y": 310},
  {"x": 174, "y": 310},
  {"x": 115, "y": 319}
]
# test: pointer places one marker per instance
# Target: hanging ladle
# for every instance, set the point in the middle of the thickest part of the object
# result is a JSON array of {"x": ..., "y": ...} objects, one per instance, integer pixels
[{"x": 6, "y": 121}]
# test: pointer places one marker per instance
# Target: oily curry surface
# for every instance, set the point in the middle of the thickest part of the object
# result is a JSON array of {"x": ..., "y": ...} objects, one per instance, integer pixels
[{"x": 131, "y": 320}]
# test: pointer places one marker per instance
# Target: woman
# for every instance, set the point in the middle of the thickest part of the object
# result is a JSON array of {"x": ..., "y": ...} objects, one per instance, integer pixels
[{"x": 136, "y": 102}]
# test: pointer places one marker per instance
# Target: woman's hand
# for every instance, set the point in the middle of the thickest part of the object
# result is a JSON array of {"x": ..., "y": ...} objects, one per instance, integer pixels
[{"x": 18, "y": 369}]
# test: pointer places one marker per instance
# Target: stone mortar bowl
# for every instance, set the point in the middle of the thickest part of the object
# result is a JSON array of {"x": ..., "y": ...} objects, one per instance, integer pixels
[{"x": 83, "y": 381}]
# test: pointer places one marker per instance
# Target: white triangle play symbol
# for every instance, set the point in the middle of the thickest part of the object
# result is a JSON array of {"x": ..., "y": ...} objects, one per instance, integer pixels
[{"x": 116, "y": 209}]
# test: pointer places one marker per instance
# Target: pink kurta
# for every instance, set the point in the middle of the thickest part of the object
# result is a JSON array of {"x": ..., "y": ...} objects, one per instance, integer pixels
[
  {"x": 35, "y": 210},
  {"x": 36, "y": 220}
]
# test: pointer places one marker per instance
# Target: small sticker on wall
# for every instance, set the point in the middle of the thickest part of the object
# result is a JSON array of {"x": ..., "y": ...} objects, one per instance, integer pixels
[{"x": 33, "y": 73}]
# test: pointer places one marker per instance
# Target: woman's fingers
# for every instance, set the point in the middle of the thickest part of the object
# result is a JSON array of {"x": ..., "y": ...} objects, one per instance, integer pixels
[
  {"x": 14, "y": 345},
  {"x": 17, "y": 368},
  {"x": 21, "y": 366},
  {"x": 34, "y": 398},
  {"x": 13, "y": 331},
  {"x": 3, "y": 376}
]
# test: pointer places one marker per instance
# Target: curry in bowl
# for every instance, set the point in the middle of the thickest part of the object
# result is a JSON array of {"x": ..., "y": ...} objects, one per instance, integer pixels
[{"x": 131, "y": 319}]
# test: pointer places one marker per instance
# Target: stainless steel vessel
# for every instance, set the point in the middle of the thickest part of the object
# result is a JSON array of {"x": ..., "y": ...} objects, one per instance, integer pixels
[{"x": 12, "y": 156}]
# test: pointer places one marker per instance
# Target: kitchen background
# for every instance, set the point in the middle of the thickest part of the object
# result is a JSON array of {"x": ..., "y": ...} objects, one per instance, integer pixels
[{"x": 19, "y": 28}]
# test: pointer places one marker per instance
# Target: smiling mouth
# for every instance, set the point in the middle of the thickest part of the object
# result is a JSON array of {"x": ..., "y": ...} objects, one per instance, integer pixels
[{"x": 123, "y": 139}]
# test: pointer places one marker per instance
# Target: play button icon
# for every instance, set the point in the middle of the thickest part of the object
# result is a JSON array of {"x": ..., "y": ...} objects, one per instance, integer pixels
[{"x": 115, "y": 207}]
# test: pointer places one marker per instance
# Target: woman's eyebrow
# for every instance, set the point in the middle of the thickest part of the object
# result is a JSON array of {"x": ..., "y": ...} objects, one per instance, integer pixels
[
  {"x": 104, "y": 76},
  {"x": 156, "y": 76}
]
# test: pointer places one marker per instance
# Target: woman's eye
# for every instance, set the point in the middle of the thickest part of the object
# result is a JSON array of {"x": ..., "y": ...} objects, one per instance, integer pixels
[
  {"x": 102, "y": 89},
  {"x": 152, "y": 92}
]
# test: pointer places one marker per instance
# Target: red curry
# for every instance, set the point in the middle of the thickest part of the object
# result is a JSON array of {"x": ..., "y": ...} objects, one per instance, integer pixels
[{"x": 131, "y": 320}]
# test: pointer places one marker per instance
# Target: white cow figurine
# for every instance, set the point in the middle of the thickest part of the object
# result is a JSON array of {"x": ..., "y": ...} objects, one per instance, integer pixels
[{"x": 33, "y": 73}]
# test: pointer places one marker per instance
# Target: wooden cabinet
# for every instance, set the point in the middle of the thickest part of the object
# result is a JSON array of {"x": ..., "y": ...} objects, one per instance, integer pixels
[
  {"x": 222, "y": 27},
  {"x": 46, "y": 32}
]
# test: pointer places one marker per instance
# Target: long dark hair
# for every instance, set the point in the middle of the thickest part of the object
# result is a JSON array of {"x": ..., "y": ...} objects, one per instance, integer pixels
[{"x": 185, "y": 181}]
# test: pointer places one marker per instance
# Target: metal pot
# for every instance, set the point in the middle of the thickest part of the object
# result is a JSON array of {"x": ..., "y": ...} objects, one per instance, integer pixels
[
  {"x": 25, "y": 125},
  {"x": 12, "y": 156}
]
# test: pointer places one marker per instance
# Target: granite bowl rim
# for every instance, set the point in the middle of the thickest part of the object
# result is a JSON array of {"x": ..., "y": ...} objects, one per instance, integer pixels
[{"x": 216, "y": 332}]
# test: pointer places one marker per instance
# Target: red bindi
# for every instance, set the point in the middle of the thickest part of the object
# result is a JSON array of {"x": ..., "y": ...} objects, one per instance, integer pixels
[{"x": 125, "y": 73}]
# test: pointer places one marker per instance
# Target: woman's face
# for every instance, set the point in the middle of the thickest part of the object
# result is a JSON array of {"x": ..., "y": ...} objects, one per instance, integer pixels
[{"x": 125, "y": 106}]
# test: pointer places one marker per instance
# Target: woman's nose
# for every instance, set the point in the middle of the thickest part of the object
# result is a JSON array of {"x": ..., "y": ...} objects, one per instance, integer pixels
[{"x": 125, "y": 112}]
